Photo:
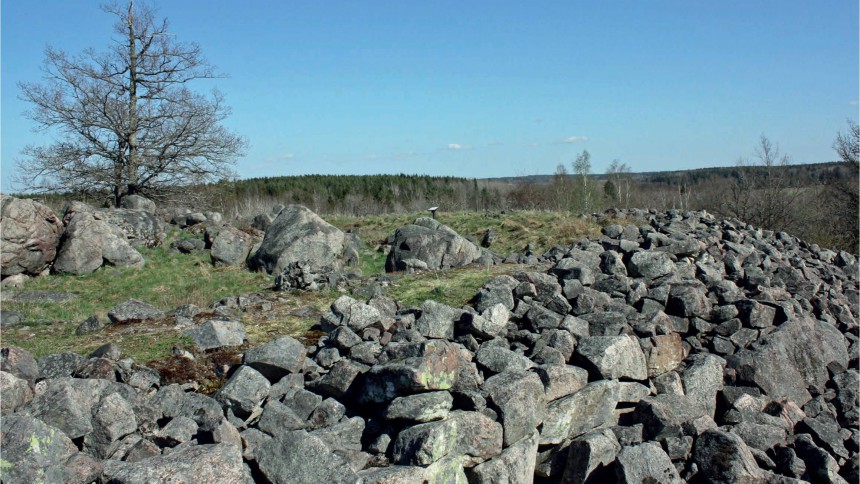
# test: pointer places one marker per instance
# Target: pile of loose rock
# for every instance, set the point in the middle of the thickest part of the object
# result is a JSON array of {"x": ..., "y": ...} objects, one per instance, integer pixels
[{"x": 684, "y": 349}]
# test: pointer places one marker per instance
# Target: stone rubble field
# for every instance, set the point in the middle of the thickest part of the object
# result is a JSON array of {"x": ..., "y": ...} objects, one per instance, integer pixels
[{"x": 682, "y": 349}]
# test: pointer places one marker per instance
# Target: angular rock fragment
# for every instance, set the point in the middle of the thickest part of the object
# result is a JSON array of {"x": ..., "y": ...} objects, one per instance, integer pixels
[
  {"x": 276, "y": 358},
  {"x": 520, "y": 400},
  {"x": 613, "y": 357},
  {"x": 516, "y": 464}
]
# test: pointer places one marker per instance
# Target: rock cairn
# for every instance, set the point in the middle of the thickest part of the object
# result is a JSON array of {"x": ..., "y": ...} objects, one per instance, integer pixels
[{"x": 681, "y": 349}]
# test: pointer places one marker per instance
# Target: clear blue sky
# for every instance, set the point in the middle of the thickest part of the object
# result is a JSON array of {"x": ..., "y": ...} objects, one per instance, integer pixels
[{"x": 489, "y": 88}]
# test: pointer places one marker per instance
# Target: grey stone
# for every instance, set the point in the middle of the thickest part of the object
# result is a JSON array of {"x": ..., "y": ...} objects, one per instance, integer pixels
[
  {"x": 760, "y": 436},
  {"x": 344, "y": 338},
  {"x": 437, "y": 320},
  {"x": 820, "y": 466},
  {"x": 132, "y": 311},
  {"x": 723, "y": 457},
  {"x": 499, "y": 290},
  {"x": 425, "y": 443},
  {"x": 561, "y": 380},
  {"x": 560, "y": 340},
  {"x": 113, "y": 419},
  {"x": 650, "y": 265},
  {"x": 542, "y": 318},
  {"x": 9, "y": 318},
  {"x": 204, "y": 464},
  {"x": 436, "y": 367},
  {"x": 589, "y": 408},
  {"x": 137, "y": 202},
  {"x": 217, "y": 333},
  {"x": 276, "y": 358},
  {"x": 516, "y": 464},
  {"x": 520, "y": 401},
  {"x": 665, "y": 415},
  {"x": 754, "y": 314},
  {"x": 824, "y": 429},
  {"x": 140, "y": 227},
  {"x": 90, "y": 325},
  {"x": 297, "y": 456},
  {"x": 231, "y": 247},
  {"x": 356, "y": 315},
  {"x": 646, "y": 462},
  {"x": 299, "y": 235},
  {"x": 338, "y": 381},
  {"x": 589, "y": 456},
  {"x": 33, "y": 450},
  {"x": 689, "y": 299},
  {"x": 431, "y": 242},
  {"x": 278, "y": 418},
  {"x": 847, "y": 399},
  {"x": 491, "y": 323},
  {"x": 20, "y": 363},
  {"x": 702, "y": 379},
  {"x": 30, "y": 235},
  {"x": 365, "y": 352},
  {"x": 479, "y": 437},
  {"x": 422, "y": 407},
  {"x": 109, "y": 351},
  {"x": 244, "y": 391},
  {"x": 792, "y": 358},
  {"x": 497, "y": 359},
  {"x": 613, "y": 357},
  {"x": 16, "y": 393},
  {"x": 326, "y": 414},
  {"x": 179, "y": 430},
  {"x": 88, "y": 243}
]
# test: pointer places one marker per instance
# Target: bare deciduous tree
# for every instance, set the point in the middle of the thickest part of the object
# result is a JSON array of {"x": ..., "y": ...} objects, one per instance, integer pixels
[
  {"x": 842, "y": 197},
  {"x": 763, "y": 193},
  {"x": 582, "y": 168},
  {"x": 126, "y": 120},
  {"x": 619, "y": 174}
]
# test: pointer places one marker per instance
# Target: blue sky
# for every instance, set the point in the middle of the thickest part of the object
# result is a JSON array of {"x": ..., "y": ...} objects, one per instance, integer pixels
[{"x": 488, "y": 88}]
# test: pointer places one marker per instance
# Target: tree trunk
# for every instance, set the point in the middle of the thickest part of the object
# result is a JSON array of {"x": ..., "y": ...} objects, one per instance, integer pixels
[{"x": 131, "y": 167}]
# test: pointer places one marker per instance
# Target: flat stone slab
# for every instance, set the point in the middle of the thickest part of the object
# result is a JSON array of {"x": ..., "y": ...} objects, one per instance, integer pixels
[{"x": 38, "y": 296}]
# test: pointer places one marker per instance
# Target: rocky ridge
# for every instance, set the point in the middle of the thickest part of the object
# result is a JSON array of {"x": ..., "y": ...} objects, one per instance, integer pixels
[{"x": 683, "y": 349}]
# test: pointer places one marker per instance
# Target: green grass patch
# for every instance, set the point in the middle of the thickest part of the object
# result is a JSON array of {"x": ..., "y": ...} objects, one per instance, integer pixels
[
  {"x": 166, "y": 281},
  {"x": 515, "y": 230},
  {"x": 454, "y": 287}
]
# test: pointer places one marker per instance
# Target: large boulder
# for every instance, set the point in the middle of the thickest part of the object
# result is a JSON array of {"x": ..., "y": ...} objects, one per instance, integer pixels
[
  {"x": 231, "y": 247},
  {"x": 204, "y": 464},
  {"x": 431, "y": 242},
  {"x": 792, "y": 359},
  {"x": 142, "y": 228},
  {"x": 136, "y": 202},
  {"x": 90, "y": 242},
  {"x": 29, "y": 236},
  {"x": 32, "y": 451},
  {"x": 300, "y": 235}
]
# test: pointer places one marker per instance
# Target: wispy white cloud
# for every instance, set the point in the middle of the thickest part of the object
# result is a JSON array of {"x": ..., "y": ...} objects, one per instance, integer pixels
[
  {"x": 457, "y": 147},
  {"x": 275, "y": 160},
  {"x": 495, "y": 143},
  {"x": 575, "y": 139},
  {"x": 853, "y": 103}
]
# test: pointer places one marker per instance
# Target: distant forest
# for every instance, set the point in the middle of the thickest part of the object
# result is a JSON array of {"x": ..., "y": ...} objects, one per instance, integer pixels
[
  {"x": 805, "y": 200},
  {"x": 799, "y": 199}
]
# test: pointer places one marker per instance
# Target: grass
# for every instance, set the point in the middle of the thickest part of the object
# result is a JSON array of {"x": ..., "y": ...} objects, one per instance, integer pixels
[
  {"x": 454, "y": 287},
  {"x": 515, "y": 229},
  {"x": 167, "y": 280},
  {"x": 170, "y": 279}
]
